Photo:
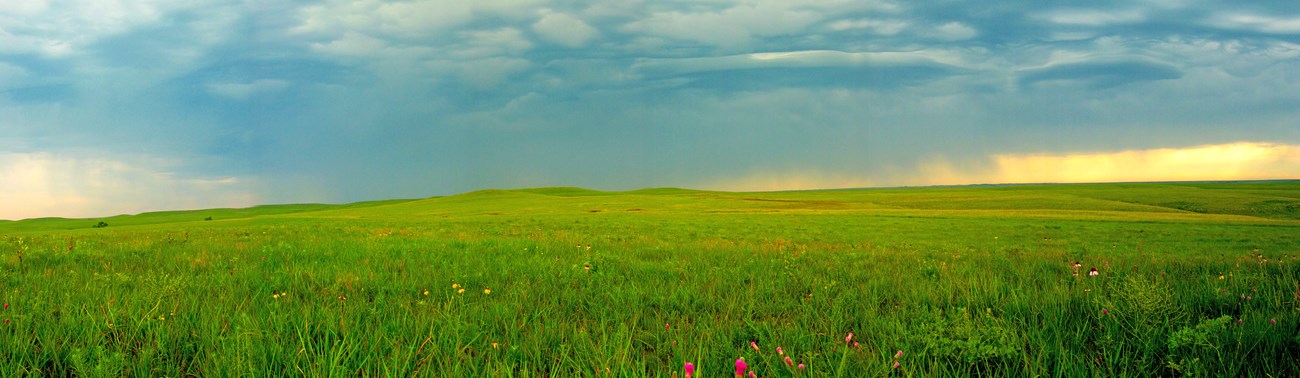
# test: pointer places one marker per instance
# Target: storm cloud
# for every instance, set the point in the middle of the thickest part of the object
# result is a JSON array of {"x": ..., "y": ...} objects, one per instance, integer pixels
[{"x": 111, "y": 107}]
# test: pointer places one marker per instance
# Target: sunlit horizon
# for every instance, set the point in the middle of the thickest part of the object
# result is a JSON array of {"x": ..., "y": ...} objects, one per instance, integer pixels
[{"x": 1241, "y": 161}]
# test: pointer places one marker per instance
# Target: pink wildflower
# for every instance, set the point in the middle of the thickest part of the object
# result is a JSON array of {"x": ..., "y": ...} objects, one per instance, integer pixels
[
  {"x": 801, "y": 366},
  {"x": 754, "y": 344},
  {"x": 740, "y": 367},
  {"x": 690, "y": 369},
  {"x": 898, "y": 355},
  {"x": 788, "y": 361},
  {"x": 752, "y": 374},
  {"x": 896, "y": 364},
  {"x": 849, "y": 338},
  {"x": 779, "y": 351},
  {"x": 1104, "y": 312},
  {"x": 1272, "y": 321}
]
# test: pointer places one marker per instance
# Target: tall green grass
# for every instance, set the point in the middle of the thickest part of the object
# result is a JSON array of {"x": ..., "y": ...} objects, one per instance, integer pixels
[{"x": 588, "y": 283}]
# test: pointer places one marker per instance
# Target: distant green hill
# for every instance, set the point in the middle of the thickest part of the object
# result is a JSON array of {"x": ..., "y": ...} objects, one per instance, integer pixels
[{"x": 1199, "y": 201}]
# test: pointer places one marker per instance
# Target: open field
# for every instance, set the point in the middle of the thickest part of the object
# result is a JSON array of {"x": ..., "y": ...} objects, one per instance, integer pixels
[{"x": 1194, "y": 279}]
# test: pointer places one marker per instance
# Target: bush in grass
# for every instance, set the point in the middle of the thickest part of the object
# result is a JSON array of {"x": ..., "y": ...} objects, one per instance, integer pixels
[
  {"x": 978, "y": 340},
  {"x": 1189, "y": 344},
  {"x": 1144, "y": 312},
  {"x": 1146, "y": 299},
  {"x": 99, "y": 363}
]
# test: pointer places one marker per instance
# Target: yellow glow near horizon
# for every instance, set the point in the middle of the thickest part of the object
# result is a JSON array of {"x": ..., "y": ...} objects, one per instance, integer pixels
[
  {"x": 50, "y": 185},
  {"x": 1219, "y": 162},
  {"x": 1234, "y": 161}
]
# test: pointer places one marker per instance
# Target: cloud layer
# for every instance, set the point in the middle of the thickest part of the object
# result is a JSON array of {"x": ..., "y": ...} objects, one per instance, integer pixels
[{"x": 350, "y": 100}]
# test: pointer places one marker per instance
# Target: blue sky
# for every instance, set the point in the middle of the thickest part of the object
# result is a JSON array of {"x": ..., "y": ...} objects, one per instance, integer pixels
[{"x": 111, "y": 107}]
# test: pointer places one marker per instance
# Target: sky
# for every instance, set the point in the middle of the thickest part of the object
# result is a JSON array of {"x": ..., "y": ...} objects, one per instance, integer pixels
[{"x": 120, "y": 106}]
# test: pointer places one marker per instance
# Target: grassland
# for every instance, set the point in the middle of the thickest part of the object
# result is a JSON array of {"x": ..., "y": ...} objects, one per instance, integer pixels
[{"x": 1195, "y": 279}]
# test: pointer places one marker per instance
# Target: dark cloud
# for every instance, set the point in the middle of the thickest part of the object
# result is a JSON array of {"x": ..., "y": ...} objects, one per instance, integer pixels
[
  {"x": 823, "y": 77},
  {"x": 342, "y": 101},
  {"x": 1099, "y": 74}
]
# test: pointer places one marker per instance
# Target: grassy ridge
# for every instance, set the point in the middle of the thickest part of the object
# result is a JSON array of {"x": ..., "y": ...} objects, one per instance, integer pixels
[
  {"x": 967, "y": 280},
  {"x": 1267, "y": 200},
  {"x": 175, "y": 217}
]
